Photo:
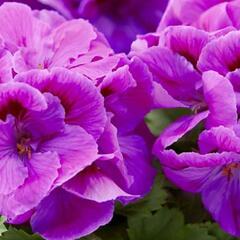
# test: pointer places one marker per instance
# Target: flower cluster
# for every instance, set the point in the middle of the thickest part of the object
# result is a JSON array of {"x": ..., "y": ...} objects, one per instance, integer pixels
[
  {"x": 194, "y": 59},
  {"x": 72, "y": 136}
]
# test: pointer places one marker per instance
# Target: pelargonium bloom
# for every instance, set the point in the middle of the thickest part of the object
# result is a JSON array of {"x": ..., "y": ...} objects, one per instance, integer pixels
[
  {"x": 207, "y": 15},
  {"x": 214, "y": 173},
  {"x": 43, "y": 40},
  {"x": 197, "y": 69},
  {"x": 68, "y": 129},
  {"x": 120, "y": 21},
  {"x": 178, "y": 59}
]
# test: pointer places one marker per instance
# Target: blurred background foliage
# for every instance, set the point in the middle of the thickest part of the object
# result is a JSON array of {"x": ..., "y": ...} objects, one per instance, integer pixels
[{"x": 166, "y": 213}]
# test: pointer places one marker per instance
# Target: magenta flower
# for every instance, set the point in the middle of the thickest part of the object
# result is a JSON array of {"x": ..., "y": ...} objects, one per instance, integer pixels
[
  {"x": 214, "y": 173},
  {"x": 199, "y": 70},
  {"x": 207, "y": 15},
  {"x": 67, "y": 153},
  {"x": 72, "y": 124},
  {"x": 175, "y": 57},
  {"x": 35, "y": 141},
  {"x": 120, "y": 21},
  {"x": 43, "y": 40}
]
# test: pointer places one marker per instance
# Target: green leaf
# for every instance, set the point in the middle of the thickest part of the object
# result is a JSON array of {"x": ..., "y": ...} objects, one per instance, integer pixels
[
  {"x": 2, "y": 226},
  {"x": 214, "y": 230},
  {"x": 166, "y": 223},
  {"x": 91, "y": 237},
  {"x": 196, "y": 232},
  {"x": 152, "y": 202},
  {"x": 15, "y": 234}
]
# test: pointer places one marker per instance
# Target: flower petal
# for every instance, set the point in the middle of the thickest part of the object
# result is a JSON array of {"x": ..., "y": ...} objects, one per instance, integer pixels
[
  {"x": 76, "y": 149},
  {"x": 221, "y": 100},
  {"x": 93, "y": 184},
  {"x": 44, "y": 123},
  {"x": 220, "y": 198},
  {"x": 208, "y": 20},
  {"x": 12, "y": 170},
  {"x": 130, "y": 106},
  {"x": 82, "y": 101},
  {"x": 6, "y": 65},
  {"x": 61, "y": 207},
  {"x": 13, "y": 96},
  {"x": 42, "y": 172},
  {"x": 71, "y": 39},
  {"x": 138, "y": 163},
  {"x": 208, "y": 174},
  {"x": 222, "y": 54},
  {"x": 173, "y": 72},
  {"x": 19, "y": 28},
  {"x": 218, "y": 139},
  {"x": 186, "y": 41},
  {"x": 178, "y": 129}
]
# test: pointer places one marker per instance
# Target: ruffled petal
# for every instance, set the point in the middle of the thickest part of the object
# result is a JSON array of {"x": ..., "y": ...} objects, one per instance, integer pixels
[
  {"x": 186, "y": 41},
  {"x": 191, "y": 159},
  {"x": 173, "y": 72},
  {"x": 178, "y": 129},
  {"x": 215, "y": 18},
  {"x": 81, "y": 100},
  {"x": 220, "y": 196},
  {"x": 130, "y": 107},
  {"x": 138, "y": 163},
  {"x": 71, "y": 39},
  {"x": 221, "y": 100},
  {"x": 44, "y": 123},
  {"x": 14, "y": 96},
  {"x": 97, "y": 69},
  {"x": 61, "y": 207},
  {"x": 218, "y": 139},
  {"x": 42, "y": 172},
  {"x": 76, "y": 149},
  {"x": 19, "y": 28},
  {"x": 93, "y": 184},
  {"x": 215, "y": 176},
  {"x": 222, "y": 54},
  {"x": 6, "y": 65}
]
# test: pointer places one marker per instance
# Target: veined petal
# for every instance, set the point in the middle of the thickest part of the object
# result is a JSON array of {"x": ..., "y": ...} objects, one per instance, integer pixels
[
  {"x": 13, "y": 96},
  {"x": 178, "y": 129},
  {"x": 218, "y": 139},
  {"x": 83, "y": 103},
  {"x": 42, "y": 172},
  {"x": 173, "y": 72},
  {"x": 186, "y": 41},
  {"x": 82, "y": 216},
  {"x": 93, "y": 184},
  {"x": 221, "y": 100},
  {"x": 222, "y": 54},
  {"x": 44, "y": 123},
  {"x": 76, "y": 149}
]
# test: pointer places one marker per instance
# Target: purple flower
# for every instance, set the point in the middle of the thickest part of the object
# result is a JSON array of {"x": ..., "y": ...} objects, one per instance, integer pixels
[
  {"x": 207, "y": 15},
  {"x": 177, "y": 59},
  {"x": 197, "y": 69},
  {"x": 71, "y": 123},
  {"x": 120, "y": 21},
  {"x": 35, "y": 141},
  {"x": 214, "y": 173},
  {"x": 68, "y": 150},
  {"x": 43, "y": 40}
]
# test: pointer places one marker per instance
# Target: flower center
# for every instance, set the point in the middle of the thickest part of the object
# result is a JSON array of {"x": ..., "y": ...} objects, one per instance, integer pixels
[
  {"x": 24, "y": 148},
  {"x": 229, "y": 169}
]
